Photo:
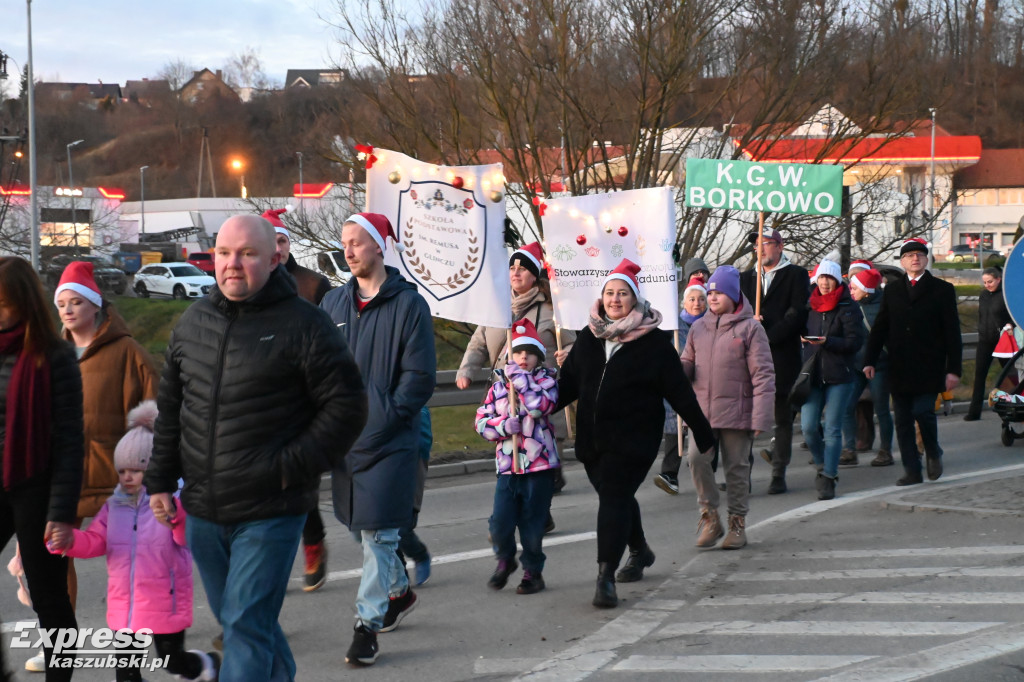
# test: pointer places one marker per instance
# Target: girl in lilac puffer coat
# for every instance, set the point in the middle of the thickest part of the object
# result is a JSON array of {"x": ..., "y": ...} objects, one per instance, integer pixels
[
  {"x": 149, "y": 567},
  {"x": 522, "y": 494}
]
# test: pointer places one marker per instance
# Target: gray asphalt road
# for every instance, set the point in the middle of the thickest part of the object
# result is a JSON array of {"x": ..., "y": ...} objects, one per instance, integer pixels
[{"x": 824, "y": 591}]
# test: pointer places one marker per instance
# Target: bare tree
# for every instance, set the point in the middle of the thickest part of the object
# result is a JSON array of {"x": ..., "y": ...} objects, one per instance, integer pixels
[
  {"x": 177, "y": 72},
  {"x": 244, "y": 69}
]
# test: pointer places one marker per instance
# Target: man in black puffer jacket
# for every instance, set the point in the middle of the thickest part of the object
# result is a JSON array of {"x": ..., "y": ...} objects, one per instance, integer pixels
[{"x": 259, "y": 396}]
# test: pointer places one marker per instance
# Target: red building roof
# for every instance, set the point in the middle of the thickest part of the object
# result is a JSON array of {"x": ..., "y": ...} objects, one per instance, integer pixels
[
  {"x": 997, "y": 168},
  {"x": 872, "y": 150}
]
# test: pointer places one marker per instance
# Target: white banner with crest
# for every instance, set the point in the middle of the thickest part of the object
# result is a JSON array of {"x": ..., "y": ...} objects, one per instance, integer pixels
[
  {"x": 587, "y": 236},
  {"x": 451, "y": 221}
]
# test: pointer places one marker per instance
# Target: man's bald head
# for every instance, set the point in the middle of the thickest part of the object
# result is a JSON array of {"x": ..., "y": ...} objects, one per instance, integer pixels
[{"x": 245, "y": 255}]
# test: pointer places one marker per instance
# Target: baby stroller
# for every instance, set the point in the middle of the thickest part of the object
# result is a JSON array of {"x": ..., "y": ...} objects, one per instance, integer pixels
[{"x": 1009, "y": 403}]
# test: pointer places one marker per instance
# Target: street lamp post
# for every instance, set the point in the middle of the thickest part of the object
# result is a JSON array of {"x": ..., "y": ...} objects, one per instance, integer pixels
[
  {"x": 142, "y": 199},
  {"x": 931, "y": 191},
  {"x": 71, "y": 182},
  {"x": 33, "y": 195},
  {"x": 301, "y": 192},
  {"x": 237, "y": 165}
]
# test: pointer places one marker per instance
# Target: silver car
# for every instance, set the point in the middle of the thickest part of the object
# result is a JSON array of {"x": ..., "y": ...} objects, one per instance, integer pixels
[{"x": 177, "y": 280}]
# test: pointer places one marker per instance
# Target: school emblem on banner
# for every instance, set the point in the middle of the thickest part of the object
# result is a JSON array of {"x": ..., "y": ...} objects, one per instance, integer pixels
[{"x": 444, "y": 232}]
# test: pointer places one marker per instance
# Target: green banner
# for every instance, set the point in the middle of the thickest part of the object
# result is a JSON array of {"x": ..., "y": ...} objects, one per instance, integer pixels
[{"x": 810, "y": 189}]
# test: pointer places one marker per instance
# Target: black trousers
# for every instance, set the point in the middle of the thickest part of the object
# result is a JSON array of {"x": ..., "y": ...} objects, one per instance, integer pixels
[
  {"x": 179, "y": 661},
  {"x": 313, "y": 532},
  {"x": 982, "y": 362},
  {"x": 618, "y": 515},
  {"x": 23, "y": 514}
]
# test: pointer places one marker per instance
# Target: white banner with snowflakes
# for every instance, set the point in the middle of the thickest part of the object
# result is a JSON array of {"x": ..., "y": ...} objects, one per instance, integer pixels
[
  {"x": 450, "y": 221},
  {"x": 586, "y": 237}
]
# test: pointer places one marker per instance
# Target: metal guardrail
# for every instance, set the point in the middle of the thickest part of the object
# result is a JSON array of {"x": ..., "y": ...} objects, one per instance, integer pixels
[{"x": 446, "y": 394}]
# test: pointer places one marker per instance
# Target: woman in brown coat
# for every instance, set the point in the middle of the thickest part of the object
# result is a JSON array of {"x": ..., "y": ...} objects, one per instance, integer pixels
[{"x": 117, "y": 375}]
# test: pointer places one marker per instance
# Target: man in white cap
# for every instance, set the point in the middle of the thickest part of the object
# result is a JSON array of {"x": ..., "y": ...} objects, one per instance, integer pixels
[
  {"x": 918, "y": 324},
  {"x": 390, "y": 331}
]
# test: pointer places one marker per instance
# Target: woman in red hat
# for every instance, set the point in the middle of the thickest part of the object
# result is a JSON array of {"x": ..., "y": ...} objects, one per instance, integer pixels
[
  {"x": 41, "y": 389},
  {"x": 621, "y": 368},
  {"x": 117, "y": 374}
]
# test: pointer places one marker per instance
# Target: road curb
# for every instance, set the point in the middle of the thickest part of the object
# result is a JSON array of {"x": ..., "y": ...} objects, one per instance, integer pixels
[{"x": 900, "y": 504}]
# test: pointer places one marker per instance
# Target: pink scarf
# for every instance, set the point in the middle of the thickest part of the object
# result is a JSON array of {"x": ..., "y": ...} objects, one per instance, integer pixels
[{"x": 637, "y": 322}]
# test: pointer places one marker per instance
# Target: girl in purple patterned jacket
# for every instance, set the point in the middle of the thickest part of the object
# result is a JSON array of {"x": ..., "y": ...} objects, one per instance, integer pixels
[{"x": 521, "y": 499}]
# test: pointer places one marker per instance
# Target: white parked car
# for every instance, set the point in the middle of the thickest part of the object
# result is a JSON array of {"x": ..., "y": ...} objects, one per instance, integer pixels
[{"x": 177, "y": 280}]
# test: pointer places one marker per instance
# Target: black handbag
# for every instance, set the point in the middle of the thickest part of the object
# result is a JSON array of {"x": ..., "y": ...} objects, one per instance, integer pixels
[{"x": 809, "y": 378}]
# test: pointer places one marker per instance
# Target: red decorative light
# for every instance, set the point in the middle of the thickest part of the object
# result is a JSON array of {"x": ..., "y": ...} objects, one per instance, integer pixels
[
  {"x": 15, "y": 191},
  {"x": 112, "y": 193},
  {"x": 458, "y": 182},
  {"x": 312, "y": 190},
  {"x": 581, "y": 240},
  {"x": 623, "y": 231}
]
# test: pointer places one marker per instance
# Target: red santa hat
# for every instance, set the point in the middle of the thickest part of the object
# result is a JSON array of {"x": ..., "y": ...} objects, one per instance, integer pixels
[
  {"x": 77, "y": 277},
  {"x": 273, "y": 216},
  {"x": 860, "y": 264},
  {"x": 525, "y": 337},
  {"x": 530, "y": 256},
  {"x": 695, "y": 283},
  {"x": 627, "y": 271},
  {"x": 914, "y": 244},
  {"x": 867, "y": 280},
  {"x": 377, "y": 226},
  {"x": 1006, "y": 347}
]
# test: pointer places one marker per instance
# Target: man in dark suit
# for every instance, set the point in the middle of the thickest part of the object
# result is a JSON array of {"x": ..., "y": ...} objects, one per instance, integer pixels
[
  {"x": 785, "y": 290},
  {"x": 919, "y": 326}
]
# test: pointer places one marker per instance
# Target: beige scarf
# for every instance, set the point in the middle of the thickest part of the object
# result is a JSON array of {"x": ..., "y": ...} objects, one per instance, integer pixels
[{"x": 637, "y": 322}]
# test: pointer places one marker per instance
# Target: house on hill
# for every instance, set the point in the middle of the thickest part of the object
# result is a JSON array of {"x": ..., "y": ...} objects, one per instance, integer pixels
[
  {"x": 146, "y": 90},
  {"x": 92, "y": 94},
  {"x": 313, "y": 78},
  {"x": 206, "y": 84}
]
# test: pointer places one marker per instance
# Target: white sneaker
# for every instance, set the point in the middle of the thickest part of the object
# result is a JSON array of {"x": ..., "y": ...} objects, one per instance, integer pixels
[
  {"x": 211, "y": 665},
  {"x": 36, "y": 664}
]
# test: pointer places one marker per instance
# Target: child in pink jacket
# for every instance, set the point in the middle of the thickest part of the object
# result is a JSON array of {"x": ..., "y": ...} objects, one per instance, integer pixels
[
  {"x": 149, "y": 568},
  {"x": 521, "y": 500},
  {"x": 729, "y": 362}
]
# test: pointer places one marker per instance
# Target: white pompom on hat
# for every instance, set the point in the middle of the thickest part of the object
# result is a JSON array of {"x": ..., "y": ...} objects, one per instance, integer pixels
[
  {"x": 378, "y": 227},
  {"x": 77, "y": 277},
  {"x": 135, "y": 448},
  {"x": 525, "y": 336}
]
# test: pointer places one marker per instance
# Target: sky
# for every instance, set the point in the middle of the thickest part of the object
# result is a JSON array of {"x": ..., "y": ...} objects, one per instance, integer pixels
[{"x": 118, "y": 40}]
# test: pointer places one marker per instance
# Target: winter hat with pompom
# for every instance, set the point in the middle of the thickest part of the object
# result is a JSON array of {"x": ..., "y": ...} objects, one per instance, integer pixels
[{"x": 136, "y": 447}]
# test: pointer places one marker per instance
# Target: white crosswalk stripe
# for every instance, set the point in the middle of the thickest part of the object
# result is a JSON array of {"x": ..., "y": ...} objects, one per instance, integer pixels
[{"x": 886, "y": 616}]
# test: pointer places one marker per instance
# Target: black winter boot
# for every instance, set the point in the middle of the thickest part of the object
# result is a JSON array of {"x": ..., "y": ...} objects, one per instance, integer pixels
[
  {"x": 604, "y": 595},
  {"x": 636, "y": 563}
]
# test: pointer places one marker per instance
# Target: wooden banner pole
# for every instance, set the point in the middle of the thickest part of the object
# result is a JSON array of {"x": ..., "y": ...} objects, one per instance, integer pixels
[
  {"x": 513, "y": 410},
  {"x": 760, "y": 267}
]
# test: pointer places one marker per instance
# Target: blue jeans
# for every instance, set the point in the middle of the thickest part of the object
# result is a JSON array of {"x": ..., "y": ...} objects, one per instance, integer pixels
[
  {"x": 880, "y": 399},
  {"x": 383, "y": 575},
  {"x": 245, "y": 569},
  {"x": 832, "y": 399},
  {"x": 523, "y": 501},
  {"x": 908, "y": 408}
]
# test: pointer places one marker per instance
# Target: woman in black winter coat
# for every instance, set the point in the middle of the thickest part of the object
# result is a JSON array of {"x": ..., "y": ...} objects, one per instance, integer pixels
[
  {"x": 42, "y": 443},
  {"x": 835, "y": 331},
  {"x": 992, "y": 317},
  {"x": 621, "y": 368}
]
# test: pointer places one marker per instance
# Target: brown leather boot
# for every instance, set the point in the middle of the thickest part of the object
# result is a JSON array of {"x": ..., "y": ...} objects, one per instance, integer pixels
[
  {"x": 709, "y": 528},
  {"x": 737, "y": 535}
]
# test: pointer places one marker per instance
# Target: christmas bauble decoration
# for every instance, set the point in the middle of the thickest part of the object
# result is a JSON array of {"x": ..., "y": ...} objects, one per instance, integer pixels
[
  {"x": 497, "y": 196},
  {"x": 394, "y": 177},
  {"x": 608, "y": 229},
  {"x": 623, "y": 231},
  {"x": 581, "y": 240},
  {"x": 458, "y": 182}
]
